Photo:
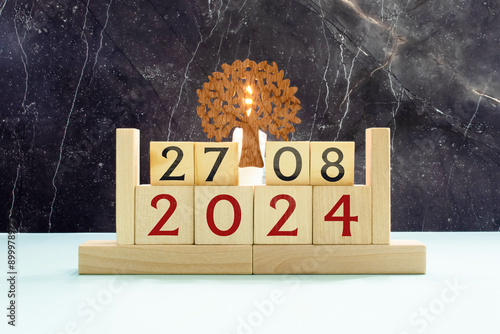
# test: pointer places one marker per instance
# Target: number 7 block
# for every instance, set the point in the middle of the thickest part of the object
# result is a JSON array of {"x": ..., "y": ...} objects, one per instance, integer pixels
[
  {"x": 216, "y": 164},
  {"x": 342, "y": 215}
]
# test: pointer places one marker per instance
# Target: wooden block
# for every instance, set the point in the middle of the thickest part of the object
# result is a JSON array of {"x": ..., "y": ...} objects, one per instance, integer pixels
[
  {"x": 378, "y": 177},
  {"x": 164, "y": 214},
  {"x": 127, "y": 178},
  {"x": 283, "y": 215},
  {"x": 223, "y": 215},
  {"x": 171, "y": 163},
  {"x": 109, "y": 258},
  {"x": 342, "y": 215},
  {"x": 400, "y": 257},
  {"x": 287, "y": 163},
  {"x": 332, "y": 163},
  {"x": 216, "y": 164}
]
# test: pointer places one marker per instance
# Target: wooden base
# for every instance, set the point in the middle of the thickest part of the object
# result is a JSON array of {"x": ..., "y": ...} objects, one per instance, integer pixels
[
  {"x": 400, "y": 257},
  {"x": 106, "y": 257}
]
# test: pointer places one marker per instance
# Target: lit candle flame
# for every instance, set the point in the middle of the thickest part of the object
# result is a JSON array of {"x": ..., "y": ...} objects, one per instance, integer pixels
[{"x": 249, "y": 101}]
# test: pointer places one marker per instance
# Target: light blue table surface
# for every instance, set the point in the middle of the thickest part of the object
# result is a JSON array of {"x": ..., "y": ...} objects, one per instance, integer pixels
[{"x": 459, "y": 294}]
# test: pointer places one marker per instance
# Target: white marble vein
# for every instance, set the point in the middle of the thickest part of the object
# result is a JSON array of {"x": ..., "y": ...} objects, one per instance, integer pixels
[
  {"x": 24, "y": 59},
  {"x": 14, "y": 199},
  {"x": 394, "y": 111},
  {"x": 2, "y": 6},
  {"x": 494, "y": 99},
  {"x": 101, "y": 37},
  {"x": 222, "y": 39},
  {"x": 242, "y": 6},
  {"x": 83, "y": 36},
  {"x": 327, "y": 66},
  {"x": 473, "y": 116},
  {"x": 315, "y": 113},
  {"x": 347, "y": 98},
  {"x": 186, "y": 71}
]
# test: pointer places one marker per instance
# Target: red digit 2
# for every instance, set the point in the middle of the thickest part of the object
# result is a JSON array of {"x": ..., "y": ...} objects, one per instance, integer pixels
[
  {"x": 291, "y": 208},
  {"x": 173, "y": 205}
]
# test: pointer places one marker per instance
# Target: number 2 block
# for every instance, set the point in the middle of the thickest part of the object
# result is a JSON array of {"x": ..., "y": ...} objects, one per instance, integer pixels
[
  {"x": 332, "y": 163},
  {"x": 164, "y": 214},
  {"x": 216, "y": 164},
  {"x": 287, "y": 163},
  {"x": 283, "y": 215},
  {"x": 223, "y": 215},
  {"x": 171, "y": 163},
  {"x": 342, "y": 215}
]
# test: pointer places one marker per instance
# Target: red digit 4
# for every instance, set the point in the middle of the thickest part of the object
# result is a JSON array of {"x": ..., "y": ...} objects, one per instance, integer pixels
[
  {"x": 157, "y": 230},
  {"x": 346, "y": 218},
  {"x": 291, "y": 208}
]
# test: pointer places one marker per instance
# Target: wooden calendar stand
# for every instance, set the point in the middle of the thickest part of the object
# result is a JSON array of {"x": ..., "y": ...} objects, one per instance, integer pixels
[{"x": 377, "y": 255}]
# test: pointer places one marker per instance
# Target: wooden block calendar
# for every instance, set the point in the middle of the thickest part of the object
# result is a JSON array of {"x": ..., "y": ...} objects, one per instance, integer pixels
[{"x": 309, "y": 217}]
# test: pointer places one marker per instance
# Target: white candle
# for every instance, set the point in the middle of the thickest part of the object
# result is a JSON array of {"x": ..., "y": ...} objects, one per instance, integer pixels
[{"x": 250, "y": 176}]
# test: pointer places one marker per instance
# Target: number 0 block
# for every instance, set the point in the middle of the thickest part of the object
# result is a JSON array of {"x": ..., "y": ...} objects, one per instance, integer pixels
[
  {"x": 332, "y": 163},
  {"x": 287, "y": 163},
  {"x": 216, "y": 164},
  {"x": 164, "y": 214},
  {"x": 223, "y": 215},
  {"x": 171, "y": 163},
  {"x": 342, "y": 215},
  {"x": 283, "y": 215}
]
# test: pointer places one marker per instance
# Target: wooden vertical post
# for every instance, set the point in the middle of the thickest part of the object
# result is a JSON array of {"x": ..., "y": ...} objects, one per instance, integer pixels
[
  {"x": 127, "y": 178},
  {"x": 378, "y": 177}
]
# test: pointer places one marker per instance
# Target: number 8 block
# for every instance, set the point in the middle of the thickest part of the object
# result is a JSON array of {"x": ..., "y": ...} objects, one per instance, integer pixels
[{"x": 332, "y": 163}]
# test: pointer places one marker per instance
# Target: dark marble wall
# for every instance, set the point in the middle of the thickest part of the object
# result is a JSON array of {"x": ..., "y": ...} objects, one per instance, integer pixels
[{"x": 73, "y": 71}]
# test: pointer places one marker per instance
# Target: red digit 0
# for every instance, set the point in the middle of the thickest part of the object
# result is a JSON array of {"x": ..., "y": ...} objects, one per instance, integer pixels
[
  {"x": 173, "y": 205},
  {"x": 346, "y": 218},
  {"x": 291, "y": 208},
  {"x": 210, "y": 215}
]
